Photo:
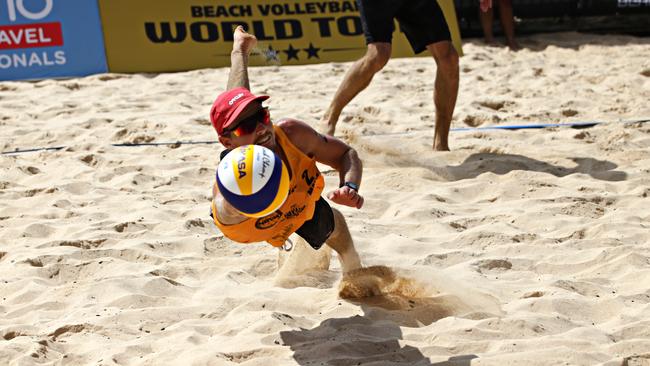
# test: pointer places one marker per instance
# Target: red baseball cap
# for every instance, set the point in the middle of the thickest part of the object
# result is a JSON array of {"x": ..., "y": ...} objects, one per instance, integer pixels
[{"x": 228, "y": 105}]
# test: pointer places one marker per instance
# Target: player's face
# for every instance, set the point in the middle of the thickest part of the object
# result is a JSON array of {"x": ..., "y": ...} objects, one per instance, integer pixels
[{"x": 253, "y": 126}]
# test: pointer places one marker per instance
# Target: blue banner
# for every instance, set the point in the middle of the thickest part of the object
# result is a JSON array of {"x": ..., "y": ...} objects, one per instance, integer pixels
[{"x": 50, "y": 38}]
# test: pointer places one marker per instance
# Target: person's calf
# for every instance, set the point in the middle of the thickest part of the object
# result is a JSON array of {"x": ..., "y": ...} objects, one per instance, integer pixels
[
  {"x": 445, "y": 91},
  {"x": 341, "y": 241}
]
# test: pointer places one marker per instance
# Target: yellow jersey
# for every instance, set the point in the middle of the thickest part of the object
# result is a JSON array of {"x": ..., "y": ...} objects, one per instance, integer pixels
[{"x": 305, "y": 188}]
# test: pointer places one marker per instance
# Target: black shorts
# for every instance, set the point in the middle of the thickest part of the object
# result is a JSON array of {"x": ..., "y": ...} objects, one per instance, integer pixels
[
  {"x": 320, "y": 227},
  {"x": 316, "y": 230},
  {"x": 421, "y": 21}
]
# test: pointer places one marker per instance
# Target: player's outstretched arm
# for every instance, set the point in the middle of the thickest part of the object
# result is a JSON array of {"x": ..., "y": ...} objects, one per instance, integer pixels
[
  {"x": 330, "y": 151},
  {"x": 226, "y": 214}
]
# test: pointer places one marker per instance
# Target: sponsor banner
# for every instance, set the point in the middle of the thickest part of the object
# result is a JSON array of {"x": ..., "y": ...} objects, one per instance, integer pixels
[
  {"x": 50, "y": 38},
  {"x": 175, "y": 35}
]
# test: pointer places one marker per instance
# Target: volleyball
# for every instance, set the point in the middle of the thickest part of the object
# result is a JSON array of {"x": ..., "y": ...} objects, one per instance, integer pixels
[{"x": 253, "y": 179}]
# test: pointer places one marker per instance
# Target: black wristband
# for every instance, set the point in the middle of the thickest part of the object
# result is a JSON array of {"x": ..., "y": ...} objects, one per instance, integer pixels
[{"x": 351, "y": 185}]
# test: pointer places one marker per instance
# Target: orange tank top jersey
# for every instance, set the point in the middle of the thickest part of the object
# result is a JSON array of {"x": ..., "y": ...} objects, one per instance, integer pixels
[{"x": 304, "y": 190}]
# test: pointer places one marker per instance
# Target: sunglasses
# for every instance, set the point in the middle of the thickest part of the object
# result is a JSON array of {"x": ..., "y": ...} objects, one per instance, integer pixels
[{"x": 249, "y": 124}]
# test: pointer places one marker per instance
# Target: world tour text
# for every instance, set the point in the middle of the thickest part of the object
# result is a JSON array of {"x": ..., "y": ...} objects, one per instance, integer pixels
[{"x": 279, "y": 29}]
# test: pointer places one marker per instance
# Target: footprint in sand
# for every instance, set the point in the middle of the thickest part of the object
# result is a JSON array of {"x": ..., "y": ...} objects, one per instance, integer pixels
[
  {"x": 475, "y": 120},
  {"x": 30, "y": 170},
  {"x": 90, "y": 160},
  {"x": 126, "y": 136},
  {"x": 374, "y": 111},
  {"x": 494, "y": 104},
  {"x": 94, "y": 123},
  {"x": 569, "y": 112}
]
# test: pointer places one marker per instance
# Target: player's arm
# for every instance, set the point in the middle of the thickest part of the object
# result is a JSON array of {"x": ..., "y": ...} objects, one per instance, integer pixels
[
  {"x": 333, "y": 152},
  {"x": 225, "y": 213}
]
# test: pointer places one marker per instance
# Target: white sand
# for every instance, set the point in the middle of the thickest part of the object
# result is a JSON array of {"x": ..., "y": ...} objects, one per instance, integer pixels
[{"x": 517, "y": 248}]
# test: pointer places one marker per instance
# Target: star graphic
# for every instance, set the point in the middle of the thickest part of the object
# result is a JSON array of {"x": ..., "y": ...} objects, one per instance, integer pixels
[
  {"x": 271, "y": 54},
  {"x": 312, "y": 51},
  {"x": 291, "y": 52}
]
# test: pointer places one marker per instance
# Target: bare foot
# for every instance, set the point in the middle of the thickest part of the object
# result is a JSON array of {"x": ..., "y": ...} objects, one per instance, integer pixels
[
  {"x": 440, "y": 145},
  {"x": 327, "y": 125},
  {"x": 243, "y": 42},
  {"x": 491, "y": 42},
  {"x": 330, "y": 129},
  {"x": 440, "y": 148},
  {"x": 513, "y": 45},
  {"x": 325, "y": 129}
]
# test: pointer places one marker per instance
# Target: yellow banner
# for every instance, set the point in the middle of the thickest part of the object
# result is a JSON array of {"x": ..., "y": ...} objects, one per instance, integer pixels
[{"x": 176, "y": 35}]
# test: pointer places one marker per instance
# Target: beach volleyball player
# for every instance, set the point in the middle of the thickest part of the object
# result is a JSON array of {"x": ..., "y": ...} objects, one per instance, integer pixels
[{"x": 240, "y": 119}]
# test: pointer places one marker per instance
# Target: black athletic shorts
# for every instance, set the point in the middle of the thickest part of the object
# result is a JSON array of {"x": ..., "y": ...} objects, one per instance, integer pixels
[
  {"x": 320, "y": 227},
  {"x": 421, "y": 21}
]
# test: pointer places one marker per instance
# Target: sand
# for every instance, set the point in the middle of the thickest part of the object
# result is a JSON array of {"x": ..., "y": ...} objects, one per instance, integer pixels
[{"x": 527, "y": 247}]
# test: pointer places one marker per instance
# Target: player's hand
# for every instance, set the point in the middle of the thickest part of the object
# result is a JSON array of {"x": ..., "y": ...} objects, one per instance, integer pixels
[
  {"x": 346, "y": 196},
  {"x": 485, "y": 5}
]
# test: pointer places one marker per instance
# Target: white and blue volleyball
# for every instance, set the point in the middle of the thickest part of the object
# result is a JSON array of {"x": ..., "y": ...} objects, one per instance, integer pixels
[{"x": 253, "y": 179}]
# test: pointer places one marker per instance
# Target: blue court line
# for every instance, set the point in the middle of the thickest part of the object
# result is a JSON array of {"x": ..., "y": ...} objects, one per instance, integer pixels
[
  {"x": 549, "y": 125},
  {"x": 576, "y": 125},
  {"x": 126, "y": 144},
  {"x": 17, "y": 151},
  {"x": 166, "y": 143},
  {"x": 533, "y": 126},
  {"x": 458, "y": 129}
]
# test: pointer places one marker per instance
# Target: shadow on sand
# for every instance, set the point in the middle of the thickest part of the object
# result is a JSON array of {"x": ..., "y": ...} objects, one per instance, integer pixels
[
  {"x": 368, "y": 339},
  {"x": 477, "y": 164},
  {"x": 375, "y": 338}
]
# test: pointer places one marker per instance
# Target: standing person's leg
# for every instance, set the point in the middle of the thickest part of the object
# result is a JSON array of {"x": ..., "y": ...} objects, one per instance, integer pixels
[
  {"x": 378, "y": 22},
  {"x": 356, "y": 80},
  {"x": 486, "y": 18},
  {"x": 445, "y": 91},
  {"x": 508, "y": 23},
  {"x": 426, "y": 28},
  {"x": 341, "y": 241}
]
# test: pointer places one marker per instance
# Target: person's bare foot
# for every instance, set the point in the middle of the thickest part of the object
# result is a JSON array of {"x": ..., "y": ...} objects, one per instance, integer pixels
[
  {"x": 327, "y": 126},
  {"x": 440, "y": 144},
  {"x": 513, "y": 45},
  {"x": 491, "y": 42},
  {"x": 242, "y": 41},
  {"x": 327, "y": 129},
  {"x": 440, "y": 148}
]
